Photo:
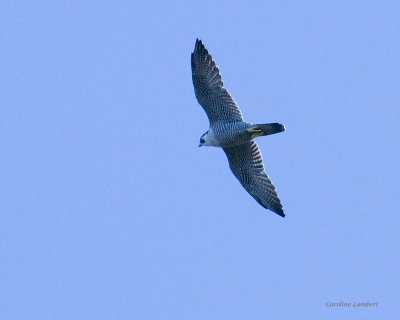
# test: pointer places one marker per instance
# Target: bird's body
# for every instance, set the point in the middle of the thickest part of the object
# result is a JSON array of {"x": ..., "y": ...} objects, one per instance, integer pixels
[
  {"x": 228, "y": 130},
  {"x": 228, "y": 134}
]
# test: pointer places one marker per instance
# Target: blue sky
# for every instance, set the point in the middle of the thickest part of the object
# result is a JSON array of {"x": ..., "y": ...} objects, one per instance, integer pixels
[{"x": 108, "y": 208}]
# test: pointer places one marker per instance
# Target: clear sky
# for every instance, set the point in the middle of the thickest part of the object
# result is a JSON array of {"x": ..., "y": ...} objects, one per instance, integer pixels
[{"x": 108, "y": 208}]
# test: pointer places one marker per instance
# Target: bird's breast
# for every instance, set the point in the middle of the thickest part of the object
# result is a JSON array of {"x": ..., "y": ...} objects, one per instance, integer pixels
[{"x": 230, "y": 134}]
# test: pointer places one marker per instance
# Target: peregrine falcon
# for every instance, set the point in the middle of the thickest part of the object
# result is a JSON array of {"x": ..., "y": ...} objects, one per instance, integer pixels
[{"x": 228, "y": 130}]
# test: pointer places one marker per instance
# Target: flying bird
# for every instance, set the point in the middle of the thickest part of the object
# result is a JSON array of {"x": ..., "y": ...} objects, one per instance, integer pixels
[{"x": 228, "y": 130}]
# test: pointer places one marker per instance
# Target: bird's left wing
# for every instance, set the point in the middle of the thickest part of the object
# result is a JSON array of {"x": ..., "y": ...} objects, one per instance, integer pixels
[
  {"x": 246, "y": 163},
  {"x": 209, "y": 88}
]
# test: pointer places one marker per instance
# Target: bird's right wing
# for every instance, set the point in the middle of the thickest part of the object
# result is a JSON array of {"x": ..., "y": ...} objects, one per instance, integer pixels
[
  {"x": 209, "y": 88},
  {"x": 246, "y": 163}
]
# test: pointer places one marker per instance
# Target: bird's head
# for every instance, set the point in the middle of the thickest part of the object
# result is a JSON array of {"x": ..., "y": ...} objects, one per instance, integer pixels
[{"x": 204, "y": 140}]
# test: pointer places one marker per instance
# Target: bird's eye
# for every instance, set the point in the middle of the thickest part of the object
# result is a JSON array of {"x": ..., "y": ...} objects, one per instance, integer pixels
[{"x": 202, "y": 140}]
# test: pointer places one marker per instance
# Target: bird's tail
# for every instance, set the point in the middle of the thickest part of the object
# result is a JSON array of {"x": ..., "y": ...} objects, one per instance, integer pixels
[{"x": 269, "y": 128}]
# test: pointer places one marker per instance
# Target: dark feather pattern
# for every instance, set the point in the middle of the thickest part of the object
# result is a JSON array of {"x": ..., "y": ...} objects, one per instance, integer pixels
[
  {"x": 209, "y": 88},
  {"x": 246, "y": 163}
]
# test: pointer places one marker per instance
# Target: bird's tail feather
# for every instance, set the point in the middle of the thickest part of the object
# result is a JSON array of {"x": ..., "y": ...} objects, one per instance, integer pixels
[{"x": 270, "y": 128}]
